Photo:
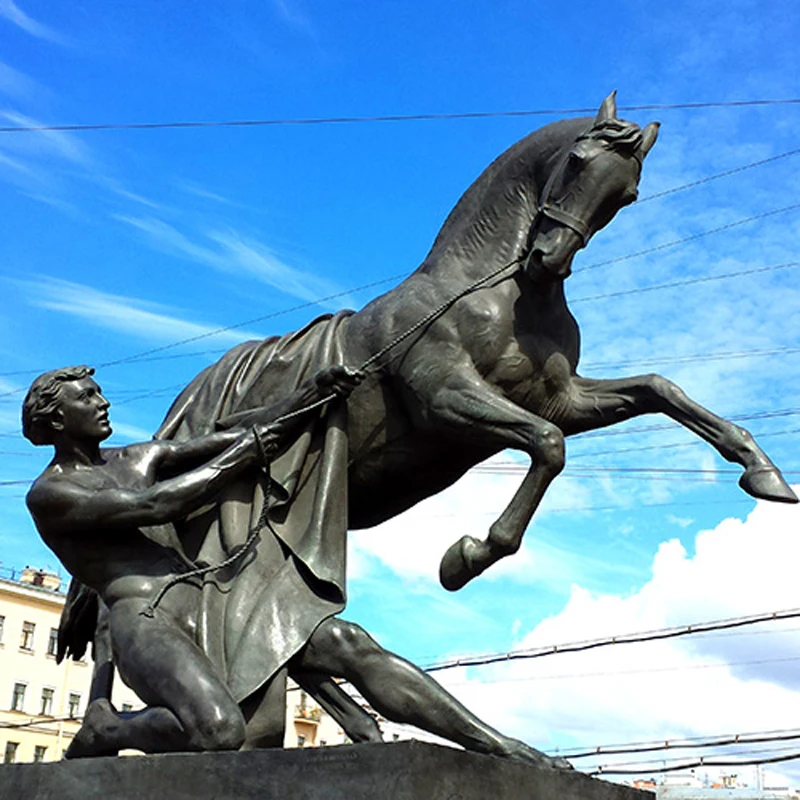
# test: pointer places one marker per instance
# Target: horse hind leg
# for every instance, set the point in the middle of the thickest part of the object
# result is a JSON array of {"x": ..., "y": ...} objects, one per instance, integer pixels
[{"x": 598, "y": 403}]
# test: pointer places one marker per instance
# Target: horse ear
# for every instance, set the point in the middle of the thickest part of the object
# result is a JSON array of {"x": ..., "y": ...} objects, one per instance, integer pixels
[
  {"x": 609, "y": 108},
  {"x": 649, "y": 136}
]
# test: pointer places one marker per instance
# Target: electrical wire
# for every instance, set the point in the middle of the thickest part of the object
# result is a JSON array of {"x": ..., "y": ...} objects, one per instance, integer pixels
[
  {"x": 630, "y": 638},
  {"x": 726, "y": 173},
  {"x": 692, "y": 238},
  {"x": 691, "y": 743},
  {"x": 249, "y": 123},
  {"x": 143, "y": 355},
  {"x": 711, "y": 762}
]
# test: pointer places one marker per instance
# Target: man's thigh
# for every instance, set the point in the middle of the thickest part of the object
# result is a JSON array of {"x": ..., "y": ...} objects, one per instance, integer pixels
[{"x": 161, "y": 663}]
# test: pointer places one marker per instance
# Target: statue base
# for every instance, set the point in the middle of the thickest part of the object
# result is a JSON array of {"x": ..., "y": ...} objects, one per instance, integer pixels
[{"x": 398, "y": 771}]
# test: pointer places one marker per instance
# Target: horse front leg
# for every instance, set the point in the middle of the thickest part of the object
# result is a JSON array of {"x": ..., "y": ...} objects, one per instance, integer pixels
[
  {"x": 598, "y": 403},
  {"x": 469, "y": 409}
]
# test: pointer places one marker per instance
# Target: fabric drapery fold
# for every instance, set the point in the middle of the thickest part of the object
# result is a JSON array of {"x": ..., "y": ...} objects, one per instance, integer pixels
[{"x": 256, "y": 614}]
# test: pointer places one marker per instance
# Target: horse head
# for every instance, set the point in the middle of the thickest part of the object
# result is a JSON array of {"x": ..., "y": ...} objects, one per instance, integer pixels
[{"x": 588, "y": 184}]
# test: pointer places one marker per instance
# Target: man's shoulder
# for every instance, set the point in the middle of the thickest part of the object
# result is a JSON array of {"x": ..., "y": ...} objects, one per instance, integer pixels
[{"x": 56, "y": 486}]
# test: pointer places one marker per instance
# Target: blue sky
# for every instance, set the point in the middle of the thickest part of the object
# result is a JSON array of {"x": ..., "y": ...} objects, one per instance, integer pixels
[{"x": 121, "y": 242}]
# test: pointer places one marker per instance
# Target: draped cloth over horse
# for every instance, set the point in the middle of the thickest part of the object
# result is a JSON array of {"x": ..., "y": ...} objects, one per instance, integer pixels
[{"x": 256, "y": 614}]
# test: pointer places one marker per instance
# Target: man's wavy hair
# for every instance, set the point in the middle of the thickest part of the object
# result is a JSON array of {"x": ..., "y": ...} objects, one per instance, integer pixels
[{"x": 43, "y": 400}]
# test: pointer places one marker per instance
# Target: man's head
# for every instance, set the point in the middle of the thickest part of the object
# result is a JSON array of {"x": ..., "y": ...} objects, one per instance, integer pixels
[{"x": 65, "y": 400}]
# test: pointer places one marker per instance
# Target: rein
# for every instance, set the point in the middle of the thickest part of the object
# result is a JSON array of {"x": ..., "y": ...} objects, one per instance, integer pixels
[{"x": 367, "y": 366}]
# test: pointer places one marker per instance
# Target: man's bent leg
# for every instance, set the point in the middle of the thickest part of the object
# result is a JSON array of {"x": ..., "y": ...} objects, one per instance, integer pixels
[
  {"x": 357, "y": 723},
  {"x": 403, "y": 693},
  {"x": 189, "y": 708}
]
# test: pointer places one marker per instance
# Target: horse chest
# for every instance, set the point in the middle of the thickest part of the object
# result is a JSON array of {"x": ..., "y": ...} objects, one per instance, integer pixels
[{"x": 537, "y": 380}]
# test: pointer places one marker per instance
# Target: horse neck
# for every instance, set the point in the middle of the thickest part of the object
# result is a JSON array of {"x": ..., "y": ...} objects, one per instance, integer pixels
[{"x": 490, "y": 224}]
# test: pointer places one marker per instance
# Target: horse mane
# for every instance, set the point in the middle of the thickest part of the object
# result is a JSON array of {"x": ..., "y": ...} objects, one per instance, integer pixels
[
  {"x": 492, "y": 218},
  {"x": 616, "y": 134}
]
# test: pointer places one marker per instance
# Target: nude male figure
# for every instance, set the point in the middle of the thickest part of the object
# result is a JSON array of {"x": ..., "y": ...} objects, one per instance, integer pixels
[{"x": 92, "y": 506}]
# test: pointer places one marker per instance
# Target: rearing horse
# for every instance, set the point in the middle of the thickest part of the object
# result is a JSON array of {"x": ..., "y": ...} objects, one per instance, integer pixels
[{"x": 498, "y": 369}]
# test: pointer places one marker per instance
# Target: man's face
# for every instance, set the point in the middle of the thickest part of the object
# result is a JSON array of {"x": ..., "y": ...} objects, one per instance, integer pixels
[{"x": 83, "y": 411}]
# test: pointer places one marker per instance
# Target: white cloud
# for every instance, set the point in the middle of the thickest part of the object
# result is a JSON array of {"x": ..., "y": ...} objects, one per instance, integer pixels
[
  {"x": 16, "y": 84},
  {"x": 730, "y": 682},
  {"x": 14, "y": 14},
  {"x": 412, "y": 544},
  {"x": 236, "y": 254},
  {"x": 127, "y": 315},
  {"x": 60, "y": 145}
]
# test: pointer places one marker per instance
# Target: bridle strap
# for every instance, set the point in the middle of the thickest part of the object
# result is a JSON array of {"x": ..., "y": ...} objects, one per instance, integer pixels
[
  {"x": 545, "y": 209},
  {"x": 576, "y": 225}
]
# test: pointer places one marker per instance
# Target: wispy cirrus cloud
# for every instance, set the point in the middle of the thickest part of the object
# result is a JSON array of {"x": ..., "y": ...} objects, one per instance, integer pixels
[
  {"x": 127, "y": 315},
  {"x": 14, "y": 14},
  {"x": 55, "y": 144},
  {"x": 16, "y": 84},
  {"x": 229, "y": 252}
]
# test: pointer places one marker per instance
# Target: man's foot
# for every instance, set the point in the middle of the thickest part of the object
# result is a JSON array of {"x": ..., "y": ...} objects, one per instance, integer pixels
[
  {"x": 519, "y": 751},
  {"x": 100, "y": 722}
]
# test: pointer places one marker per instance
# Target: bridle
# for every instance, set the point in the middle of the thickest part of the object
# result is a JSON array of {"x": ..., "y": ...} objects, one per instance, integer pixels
[{"x": 546, "y": 209}]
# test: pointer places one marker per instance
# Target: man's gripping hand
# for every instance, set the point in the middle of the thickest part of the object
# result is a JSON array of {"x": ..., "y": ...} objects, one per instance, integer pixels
[{"x": 339, "y": 380}]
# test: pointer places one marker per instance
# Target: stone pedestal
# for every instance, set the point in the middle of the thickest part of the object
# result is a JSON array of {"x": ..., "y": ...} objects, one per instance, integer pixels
[{"x": 398, "y": 771}]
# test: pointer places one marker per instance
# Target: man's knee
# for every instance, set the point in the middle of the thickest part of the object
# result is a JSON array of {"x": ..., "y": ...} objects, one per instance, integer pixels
[
  {"x": 219, "y": 729},
  {"x": 350, "y": 639}
]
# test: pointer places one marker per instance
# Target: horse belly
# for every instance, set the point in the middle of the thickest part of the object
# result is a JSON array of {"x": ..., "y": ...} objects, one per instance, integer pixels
[
  {"x": 403, "y": 472},
  {"x": 393, "y": 463}
]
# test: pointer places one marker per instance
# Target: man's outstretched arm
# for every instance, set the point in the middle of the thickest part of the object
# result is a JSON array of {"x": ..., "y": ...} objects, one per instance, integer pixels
[
  {"x": 334, "y": 381},
  {"x": 65, "y": 503}
]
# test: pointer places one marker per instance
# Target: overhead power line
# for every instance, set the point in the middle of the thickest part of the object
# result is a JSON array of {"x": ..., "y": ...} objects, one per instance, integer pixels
[
  {"x": 726, "y": 173},
  {"x": 145, "y": 355},
  {"x": 692, "y": 743},
  {"x": 252, "y": 123},
  {"x": 628, "y": 638},
  {"x": 701, "y": 762},
  {"x": 693, "y": 237},
  {"x": 662, "y": 426},
  {"x": 616, "y": 673}
]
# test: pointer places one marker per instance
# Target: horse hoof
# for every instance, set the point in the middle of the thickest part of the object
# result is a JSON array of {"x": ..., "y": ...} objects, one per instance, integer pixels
[
  {"x": 457, "y": 568},
  {"x": 767, "y": 483}
]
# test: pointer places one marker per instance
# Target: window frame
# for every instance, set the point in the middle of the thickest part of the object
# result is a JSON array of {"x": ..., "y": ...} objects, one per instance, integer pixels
[
  {"x": 27, "y": 636},
  {"x": 73, "y": 705},
  {"x": 10, "y": 756},
  {"x": 46, "y": 704},
  {"x": 52, "y": 642},
  {"x": 18, "y": 696}
]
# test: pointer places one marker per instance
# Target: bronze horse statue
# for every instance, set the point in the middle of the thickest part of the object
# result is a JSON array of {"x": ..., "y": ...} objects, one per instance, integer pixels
[{"x": 499, "y": 368}]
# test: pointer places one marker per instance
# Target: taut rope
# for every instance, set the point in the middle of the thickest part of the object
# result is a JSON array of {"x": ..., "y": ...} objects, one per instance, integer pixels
[{"x": 263, "y": 520}]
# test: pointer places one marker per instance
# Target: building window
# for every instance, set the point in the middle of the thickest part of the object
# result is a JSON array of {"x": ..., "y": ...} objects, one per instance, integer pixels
[
  {"x": 18, "y": 697},
  {"x": 26, "y": 640},
  {"x": 11, "y": 752},
  {"x": 38, "y": 753},
  {"x": 301, "y": 740},
  {"x": 127, "y": 707},
  {"x": 47, "y": 702},
  {"x": 52, "y": 642},
  {"x": 74, "y": 704},
  {"x": 2, "y": 628}
]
